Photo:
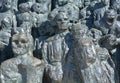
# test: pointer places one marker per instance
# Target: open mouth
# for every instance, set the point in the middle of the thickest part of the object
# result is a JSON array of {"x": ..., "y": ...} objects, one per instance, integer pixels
[{"x": 110, "y": 21}]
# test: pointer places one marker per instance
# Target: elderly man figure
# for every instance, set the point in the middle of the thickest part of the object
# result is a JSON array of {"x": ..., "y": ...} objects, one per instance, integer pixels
[{"x": 23, "y": 68}]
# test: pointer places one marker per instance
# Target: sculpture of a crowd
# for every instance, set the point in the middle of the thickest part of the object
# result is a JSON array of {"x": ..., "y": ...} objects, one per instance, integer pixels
[{"x": 60, "y": 41}]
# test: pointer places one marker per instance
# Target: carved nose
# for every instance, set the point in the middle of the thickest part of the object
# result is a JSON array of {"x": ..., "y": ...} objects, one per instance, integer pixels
[
  {"x": 19, "y": 44},
  {"x": 62, "y": 21}
]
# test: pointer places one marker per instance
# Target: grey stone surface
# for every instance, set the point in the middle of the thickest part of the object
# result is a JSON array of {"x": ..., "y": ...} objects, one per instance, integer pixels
[
  {"x": 60, "y": 41},
  {"x": 23, "y": 68},
  {"x": 7, "y": 23},
  {"x": 55, "y": 49}
]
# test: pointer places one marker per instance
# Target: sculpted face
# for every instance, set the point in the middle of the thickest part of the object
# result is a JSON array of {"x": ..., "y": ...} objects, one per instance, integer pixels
[
  {"x": 78, "y": 31},
  {"x": 105, "y": 2},
  {"x": 62, "y": 21},
  {"x": 87, "y": 2},
  {"x": 6, "y": 4},
  {"x": 24, "y": 7},
  {"x": 20, "y": 44},
  {"x": 110, "y": 16},
  {"x": 116, "y": 6},
  {"x": 103, "y": 54},
  {"x": 37, "y": 8},
  {"x": 62, "y": 2},
  {"x": 41, "y": 1}
]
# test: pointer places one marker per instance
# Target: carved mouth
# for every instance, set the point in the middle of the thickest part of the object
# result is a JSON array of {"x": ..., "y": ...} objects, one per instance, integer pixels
[
  {"x": 19, "y": 50},
  {"x": 110, "y": 21}
]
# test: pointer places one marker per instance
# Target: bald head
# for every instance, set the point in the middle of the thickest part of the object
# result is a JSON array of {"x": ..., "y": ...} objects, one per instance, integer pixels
[{"x": 22, "y": 43}]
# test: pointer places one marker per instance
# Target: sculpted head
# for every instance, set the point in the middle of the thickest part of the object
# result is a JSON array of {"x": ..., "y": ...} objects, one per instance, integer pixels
[
  {"x": 105, "y": 2},
  {"x": 24, "y": 7},
  {"x": 79, "y": 31},
  {"x": 109, "y": 16},
  {"x": 86, "y": 2},
  {"x": 62, "y": 2},
  {"x": 7, "y": 4},
  {"x": 61, "y": 20},
  {"x": 22, "y": 43},
  {"x": 37, "y": 8},
  {"x": 116, "y": 6}
]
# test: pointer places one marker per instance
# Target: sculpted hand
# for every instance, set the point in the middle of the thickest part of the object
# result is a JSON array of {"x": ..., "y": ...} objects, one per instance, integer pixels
[{"x": 56, "y": 73}]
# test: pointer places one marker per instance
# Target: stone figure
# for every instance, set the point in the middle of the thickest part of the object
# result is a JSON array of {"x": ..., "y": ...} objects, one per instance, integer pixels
[
  {"x": 87, "y": 59},
  {"x": 79, "y": 30},
  {"x": 46, "y": 4},
  {"x": 116, "y": 6},
  {"x": 116, "y": 27},
  {"x": 59, "y": 3},
  {"x": 95, "y": 34},
  {"x": 86, "y": 15},
  {"x": 68, "y": 8},
  {"x": 113, "y": 1},
  {"x": 113, "y": 35},
  {"x": 103, "y": 54},
  {"x": 70, "y": 71},
  {"x": 105, "y": 24},
  {"x": 72, "y": 16},
  {"x": 100, "y": 8},
  {"x": 6, "y": 12},
  {"x": 24, "y": 1},
  {"x": 29, "y": 2},
  {"x": 24, "y": 10},
  {"x": 15, "y": 5},
  {"x": 55, "y": 49},
  {"x": 78, "y": 3},
  {"x": 76, "y": 41},
  {"x": 88, "y": 63},
  {"x": 105, "y": 60},
  {"x": 24, "y": 17},
  {"x": 111, "y": 41},
  {"x": 40, "y": 11},
  {"x": 23, "y": 68},
  {"x": 41, "y": 27},
  {"x": 39, "y": 15},
  {"x": 7, "y": 23}
]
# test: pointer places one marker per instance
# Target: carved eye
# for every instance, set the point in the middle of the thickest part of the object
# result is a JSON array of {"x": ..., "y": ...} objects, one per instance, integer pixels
[
  {"x": 59, "y": 19},
  {"x": 23, "y": 41},
  {"x": 38, "y": 6},
  {"x": 6, "y": 3},
  {"x": 16, "y": 41},
  {"x": 71, "y": 21}
]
